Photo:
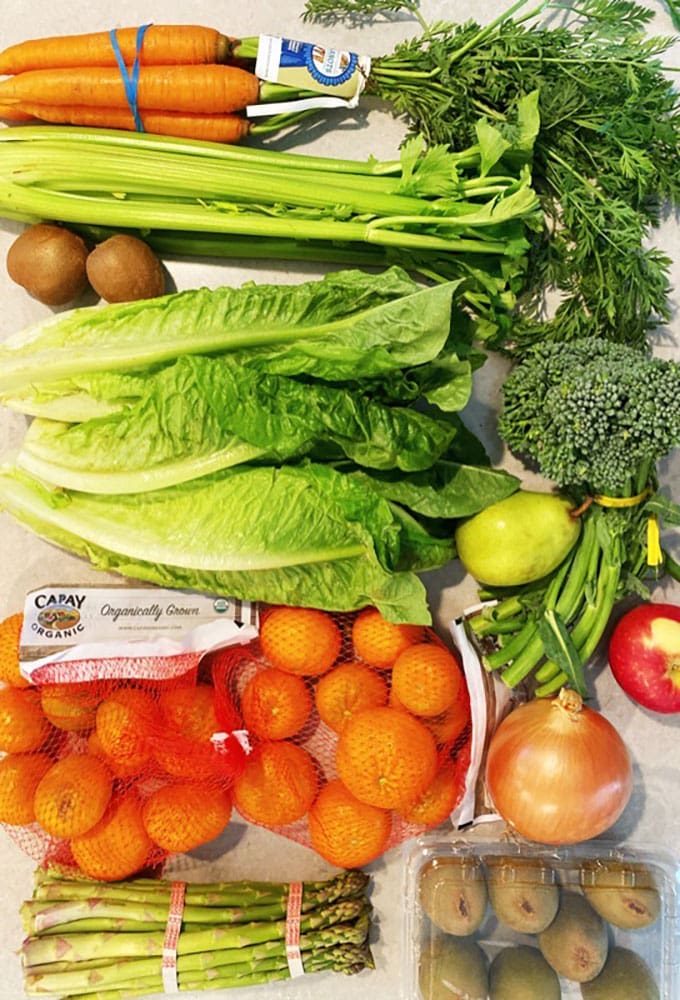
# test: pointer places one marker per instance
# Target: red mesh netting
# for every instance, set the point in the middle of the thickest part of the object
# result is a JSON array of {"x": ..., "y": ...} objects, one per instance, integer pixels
[
  {"x": 110, "y": 776},
  {"x": 343, "y": 732},
  {"x": 360, "y": 730}
]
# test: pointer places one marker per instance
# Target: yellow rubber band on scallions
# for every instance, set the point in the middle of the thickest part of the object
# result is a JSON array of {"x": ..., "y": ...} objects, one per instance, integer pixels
[{"x": 605, "y": 501}]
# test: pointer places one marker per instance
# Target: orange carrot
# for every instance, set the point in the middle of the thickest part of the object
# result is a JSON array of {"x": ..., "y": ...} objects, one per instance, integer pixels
[
  {"x": 12, "y": 113},
  {"x": 203, "y": 89},
  {"x": 214, "y": 128},
  {"x": 164, "y": 44}
]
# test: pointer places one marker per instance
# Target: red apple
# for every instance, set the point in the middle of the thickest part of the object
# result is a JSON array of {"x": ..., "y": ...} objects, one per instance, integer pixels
[{"x": 644, "y": 654}]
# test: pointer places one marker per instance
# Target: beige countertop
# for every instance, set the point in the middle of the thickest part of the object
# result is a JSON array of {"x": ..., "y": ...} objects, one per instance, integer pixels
[{"x": 653, "y": 816}]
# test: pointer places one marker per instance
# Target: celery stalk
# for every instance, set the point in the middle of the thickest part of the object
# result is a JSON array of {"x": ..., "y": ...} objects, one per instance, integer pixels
[{"x": 446, "y": 215}]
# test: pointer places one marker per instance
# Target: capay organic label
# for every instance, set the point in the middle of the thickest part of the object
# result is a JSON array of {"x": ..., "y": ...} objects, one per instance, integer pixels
[
  {"x": 154, "y": 611},
  {"x": 58, "y": 617},
  {"x": 63, "y": 615}
]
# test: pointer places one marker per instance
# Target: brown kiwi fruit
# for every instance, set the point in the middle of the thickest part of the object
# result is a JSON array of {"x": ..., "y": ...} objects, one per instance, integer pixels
[
  {"x": 452, "y": 893},
  {"x": 125, "y": 269},
  {"x": 576, "y": 942},
  {"x": 523, "y": 893},
  {"x": 522, "y": 973},
  {"x": 50, "y": 263},
  {"x": 622, "y": 893},
  {"x": 625, "y": 974},
  {"x": 453, "y": 968}
]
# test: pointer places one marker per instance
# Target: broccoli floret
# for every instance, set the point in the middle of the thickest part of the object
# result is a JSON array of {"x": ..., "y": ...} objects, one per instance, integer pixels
[{"x": 593, "y": 414}]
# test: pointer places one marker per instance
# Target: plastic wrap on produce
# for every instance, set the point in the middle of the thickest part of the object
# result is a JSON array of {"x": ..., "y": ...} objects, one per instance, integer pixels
[
  {"x": 618, "y": 900},
  {"x": 490, "y": 702}
]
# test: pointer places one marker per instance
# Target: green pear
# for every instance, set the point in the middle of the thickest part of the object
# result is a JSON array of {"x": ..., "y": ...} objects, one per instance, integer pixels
[{"x": 518, "y": 540}]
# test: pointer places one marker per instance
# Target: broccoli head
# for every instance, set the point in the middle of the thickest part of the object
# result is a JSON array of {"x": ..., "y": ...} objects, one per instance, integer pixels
[{"x": 592, "y": 414}]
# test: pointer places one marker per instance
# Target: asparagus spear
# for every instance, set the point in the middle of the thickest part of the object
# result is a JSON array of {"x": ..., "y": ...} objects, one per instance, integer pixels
[
  {"x": 151, "y": 916},
  {"x": 346, "y": 958},
  {"x": 256, "y": 979},
  {"x": 345, "y": 885},
  {"x": 106, "y": 925},
  {"x": 59, "y": 966},
  {"x": 76, "y": 976},
  {"x": 38, "y": 950}
]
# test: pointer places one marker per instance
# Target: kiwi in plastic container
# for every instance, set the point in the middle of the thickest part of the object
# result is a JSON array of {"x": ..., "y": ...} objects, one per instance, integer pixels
[
  {"x": 576, "y": 942},
  {"x": 523, "y": 892},
  {"x": 452, "y": 892},
  {"x": 453, "y": 968},
  {"x": 521, "y": 973},
  {"x": 622, "y": 893},
  {"x": 626, "y": 976}
]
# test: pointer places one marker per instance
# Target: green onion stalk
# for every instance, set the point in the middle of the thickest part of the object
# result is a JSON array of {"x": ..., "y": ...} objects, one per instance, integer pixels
[
  {"x": 597, "y": 418},
  {"x": 450, "y": 216},
  {"x": 88, "y": 939}
]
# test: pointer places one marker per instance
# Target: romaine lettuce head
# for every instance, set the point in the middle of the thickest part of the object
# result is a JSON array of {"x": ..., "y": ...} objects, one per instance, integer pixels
[
  {"x": 300, "y": 535},
  {"x": 349, "y": 325},
  {"x": 203, "y": 414}
]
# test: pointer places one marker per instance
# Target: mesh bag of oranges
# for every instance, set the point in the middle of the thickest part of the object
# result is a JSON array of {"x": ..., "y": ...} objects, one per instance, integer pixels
[
  {"x": 359, "y": 730},
  {"x": 108, "y": 772}
]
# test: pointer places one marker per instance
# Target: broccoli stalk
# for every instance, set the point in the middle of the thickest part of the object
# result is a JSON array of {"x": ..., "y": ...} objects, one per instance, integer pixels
[{"x": 596, "y": 418}]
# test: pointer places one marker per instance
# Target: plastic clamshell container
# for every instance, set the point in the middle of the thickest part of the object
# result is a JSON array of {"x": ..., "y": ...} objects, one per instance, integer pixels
[{"x": 435, "y": 865}]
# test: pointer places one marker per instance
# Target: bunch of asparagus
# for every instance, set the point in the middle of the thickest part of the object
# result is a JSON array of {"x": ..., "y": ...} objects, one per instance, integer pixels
[{"x": 104, "y": 941}]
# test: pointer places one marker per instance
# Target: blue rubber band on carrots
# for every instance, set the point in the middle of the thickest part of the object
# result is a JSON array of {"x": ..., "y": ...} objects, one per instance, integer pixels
[{"x": 130, "y": 80}]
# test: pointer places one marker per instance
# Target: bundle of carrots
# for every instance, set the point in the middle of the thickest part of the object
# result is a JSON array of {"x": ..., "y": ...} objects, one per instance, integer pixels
[{"x": 192, "y": 83}]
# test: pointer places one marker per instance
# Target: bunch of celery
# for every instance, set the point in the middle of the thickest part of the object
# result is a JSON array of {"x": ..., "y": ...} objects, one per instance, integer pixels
[
  {"x": 447, "y": 215},
  {"x": 93, "y": 941}
]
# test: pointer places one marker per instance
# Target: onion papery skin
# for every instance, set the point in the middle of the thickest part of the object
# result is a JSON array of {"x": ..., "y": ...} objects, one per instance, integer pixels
[{"x": 557, "y": 771}]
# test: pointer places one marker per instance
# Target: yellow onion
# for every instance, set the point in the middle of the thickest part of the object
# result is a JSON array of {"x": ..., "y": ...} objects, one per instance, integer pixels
[{"x": 558, "y": 772}]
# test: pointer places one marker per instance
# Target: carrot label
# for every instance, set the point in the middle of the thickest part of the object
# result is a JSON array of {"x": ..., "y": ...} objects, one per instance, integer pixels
[{"x": 336, "y": 75}]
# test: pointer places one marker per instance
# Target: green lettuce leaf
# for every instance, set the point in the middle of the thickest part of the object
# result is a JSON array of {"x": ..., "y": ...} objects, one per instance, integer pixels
[
  {"x": 447, "y": 490},
  {"x": 466, "y": 448},
  {"x": 87, "y": 457},
  {"x": 423, "y": 549},
  {"x": 203, "y": 414},
  {"x": 445, "y": 382},
  {"x": 302, "y": 535},
  {"x": 349, "y": 325},
  {"x": 81, "y": 398}
]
